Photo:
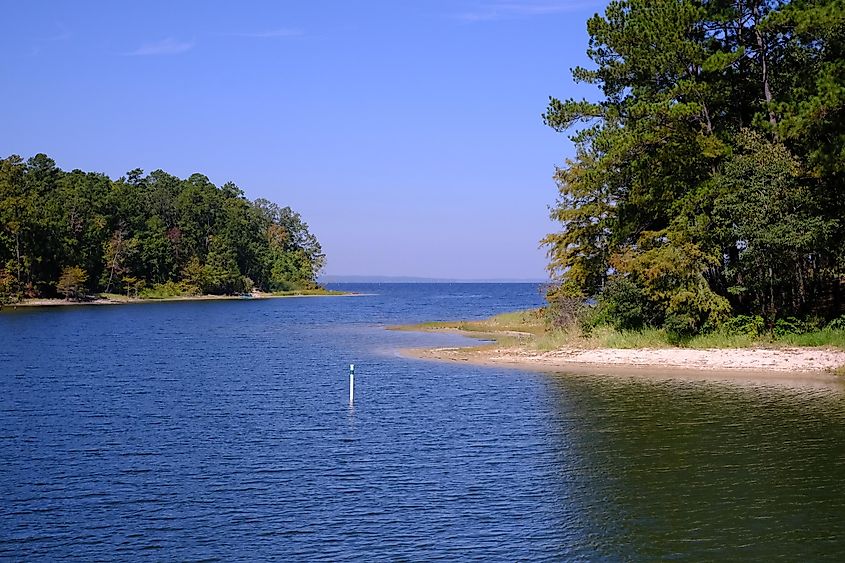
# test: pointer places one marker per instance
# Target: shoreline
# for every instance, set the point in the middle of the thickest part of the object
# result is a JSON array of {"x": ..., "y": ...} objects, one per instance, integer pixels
[
  {"x": 651, "y": 372},
  {"x": 794, "y": 366},
  {"x": 52, "y": 303}
]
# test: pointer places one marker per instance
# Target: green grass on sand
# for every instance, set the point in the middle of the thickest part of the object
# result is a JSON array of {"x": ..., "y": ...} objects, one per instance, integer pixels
[{"x": 528, "y": 328}]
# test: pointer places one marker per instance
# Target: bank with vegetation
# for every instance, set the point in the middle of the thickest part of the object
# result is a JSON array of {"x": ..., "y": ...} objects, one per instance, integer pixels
[
  {"x": 701, "y": 217},
  {"x": 531, "y": 340},
  {"x": 156, "y": 297},
  {"x": 705, "y": 199},
  {"x": 77, "y": 235}
]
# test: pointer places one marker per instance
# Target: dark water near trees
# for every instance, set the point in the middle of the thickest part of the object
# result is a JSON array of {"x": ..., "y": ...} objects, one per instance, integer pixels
[{"x": 222, "y": 430}]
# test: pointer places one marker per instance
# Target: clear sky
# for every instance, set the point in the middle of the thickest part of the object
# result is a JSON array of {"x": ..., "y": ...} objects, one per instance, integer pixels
[{"x": 407, "y": 134}]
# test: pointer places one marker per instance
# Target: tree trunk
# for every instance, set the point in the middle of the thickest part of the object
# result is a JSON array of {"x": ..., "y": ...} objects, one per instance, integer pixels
[
  {"x": 761, "y": 47},
  {"x": 114, "y": 260},
  {"x": 772, "y": 307},
  {"x": 18, "y": 255},
  {"x": 707, "y": 122}
]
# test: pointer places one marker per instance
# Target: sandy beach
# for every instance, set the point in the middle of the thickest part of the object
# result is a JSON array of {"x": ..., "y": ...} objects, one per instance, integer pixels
[
  {"x": 126, "y": 300},
  {"x": 790, "y": 360},
  {"x": 777, "y": 365}
]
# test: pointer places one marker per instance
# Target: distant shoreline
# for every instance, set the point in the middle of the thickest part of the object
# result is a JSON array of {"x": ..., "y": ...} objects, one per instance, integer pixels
[
  {"x": 792, "y": 366},
  {"x": 49, "y": 303},
  {"x": 416, "y": 280}
]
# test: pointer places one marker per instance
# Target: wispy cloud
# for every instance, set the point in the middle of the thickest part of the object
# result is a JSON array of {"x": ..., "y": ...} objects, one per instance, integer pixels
[
  {"x": 62, "y": 34},
  {"x": 487, "y": 11},
  {"x": 167, "y": 46},
  {"x": 269, "y": 34}
]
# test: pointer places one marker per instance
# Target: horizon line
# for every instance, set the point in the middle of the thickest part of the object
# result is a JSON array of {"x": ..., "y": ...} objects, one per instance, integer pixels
[{"x": 360, "y": 278}]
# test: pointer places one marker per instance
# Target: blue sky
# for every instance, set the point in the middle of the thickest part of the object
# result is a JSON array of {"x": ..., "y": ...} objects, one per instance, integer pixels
[{"x": 407, "y": 134}]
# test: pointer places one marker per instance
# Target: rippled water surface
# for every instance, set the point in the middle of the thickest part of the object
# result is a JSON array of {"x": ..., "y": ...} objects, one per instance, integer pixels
[{"x": 222, "y": 430}]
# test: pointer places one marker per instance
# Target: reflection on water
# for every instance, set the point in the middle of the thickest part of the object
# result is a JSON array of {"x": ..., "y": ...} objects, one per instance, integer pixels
[
  {"x": 223, "y": 430},
  {"x": 705, "y": 470}
]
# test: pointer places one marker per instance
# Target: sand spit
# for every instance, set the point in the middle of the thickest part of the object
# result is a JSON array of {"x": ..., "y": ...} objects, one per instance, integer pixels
[{"x": 781, "y": 365}]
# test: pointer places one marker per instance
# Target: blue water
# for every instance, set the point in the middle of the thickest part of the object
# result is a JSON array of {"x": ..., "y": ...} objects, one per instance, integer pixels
[{"x": 223, "y": 431}]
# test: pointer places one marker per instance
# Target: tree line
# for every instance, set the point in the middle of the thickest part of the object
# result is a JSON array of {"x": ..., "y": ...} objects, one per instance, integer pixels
[
  {"x": 707, "y": 181},
  {"x": 79, "y": 233}
]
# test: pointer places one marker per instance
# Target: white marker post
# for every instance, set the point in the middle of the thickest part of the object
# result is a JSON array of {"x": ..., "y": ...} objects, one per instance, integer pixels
[{"x": 351, "y": 383}]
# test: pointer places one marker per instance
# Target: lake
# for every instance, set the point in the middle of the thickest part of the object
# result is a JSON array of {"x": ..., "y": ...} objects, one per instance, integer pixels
[{"x": 222, "y": 430}]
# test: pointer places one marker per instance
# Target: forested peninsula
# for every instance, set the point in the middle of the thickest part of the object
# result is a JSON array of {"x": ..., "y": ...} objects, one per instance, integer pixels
[
  {"x": 76, "y": 234},
  {"x": 706, "y": 192},
  {"x": 702, "y": 217}
]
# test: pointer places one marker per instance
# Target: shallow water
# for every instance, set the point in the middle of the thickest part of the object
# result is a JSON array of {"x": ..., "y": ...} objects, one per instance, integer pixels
[{"x": 222, "y": 430}]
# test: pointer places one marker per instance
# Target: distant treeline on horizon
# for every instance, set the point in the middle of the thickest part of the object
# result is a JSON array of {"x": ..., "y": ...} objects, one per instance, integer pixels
[
  {"x": 331, "y": 278},
  {"x": 78, "y": 233}
]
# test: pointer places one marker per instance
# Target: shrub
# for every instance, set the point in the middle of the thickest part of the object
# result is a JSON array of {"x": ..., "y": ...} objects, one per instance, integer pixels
[
  {"x": 836, "y": 324},
  {"x": 745, "y": 325},
  {"x": 564, "y": 310},
  {"x": 8, "y": 293},
  {"x": 680, "y": 328},
  {"x": 789, "y": 325},
  {"x": 163, "y": 291},
  {"x": 623, "y": 305},
  {"x": 71, "y": 283}
]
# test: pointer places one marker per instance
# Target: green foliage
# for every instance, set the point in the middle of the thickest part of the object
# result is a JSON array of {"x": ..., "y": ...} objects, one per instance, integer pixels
[
  {"x": 7, "y": 287},
  {"x": 624, "y": 306},
  {"x": 745, "y": 325},
  {"x": 680, "y": 328},
  {"x": 836, "y": 324},
  {"x": 221, "y": 269},
  {"x": 71, "y": 283},
  {"x": 834, "y": 338},
  {"x": 163, "y": 291},
  {"x": 773, "y": 223},
  {"x": 708, "y": 176},
  {"x": 152, "y": 235},
  {"x": 295, "y": 257},
  {"x": 290, "y": 270},
  {"x": 530, "y": 327},
  {"x": 789, "y": 325}
]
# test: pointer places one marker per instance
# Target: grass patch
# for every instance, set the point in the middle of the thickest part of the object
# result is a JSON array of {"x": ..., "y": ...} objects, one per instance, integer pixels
[
  {"x": 813, "y": 339},
  {"x": 556, "y": 339},
  {"x": 607, "y": 337},
  {"x": 724, "y": 340},
  {"x": 528, "y": 322},
  {"x": 827, "y": 337},
  {"x": 515, "y": 324},
  {"x": 521, "y": 326},
  {"x": 602, "y": 337}
]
